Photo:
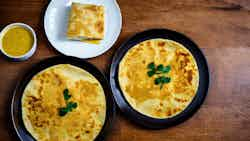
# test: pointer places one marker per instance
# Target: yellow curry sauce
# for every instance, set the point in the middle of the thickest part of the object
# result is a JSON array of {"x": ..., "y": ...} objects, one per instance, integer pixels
[{"x": 17, "y": 41}]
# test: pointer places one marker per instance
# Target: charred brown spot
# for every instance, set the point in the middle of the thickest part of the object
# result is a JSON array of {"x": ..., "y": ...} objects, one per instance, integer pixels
[
  {"x": 169, "y": 112},
  {"x": 148, "y": 43},
  {"x": 144, "y": 62},
  {"x": 97, "y": 111},
  {"x": 158, "y": 110},
  {"x": 180, "y": 100},
  {"x": 175, "y": 111},
  {"x": 92, "y": 8},
  {"x": 190, "y": 77},
  {"x": 40, "y": 89},
  {"x": 99, "y": 26},
  {"x": 141, "y": 44},
  {"x": 33, "y": 99},
  {"x": 161, "y": 44},
  {"x": 101, "y": 29},
  {"x": 77, "y": 137},
  {"x": 183, "y": 54}
]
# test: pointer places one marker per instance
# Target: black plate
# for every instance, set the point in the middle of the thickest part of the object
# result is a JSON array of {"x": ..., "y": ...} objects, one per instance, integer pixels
[
  {"x": 16, "y": 111},
  {"x": 144, "y": 120}
]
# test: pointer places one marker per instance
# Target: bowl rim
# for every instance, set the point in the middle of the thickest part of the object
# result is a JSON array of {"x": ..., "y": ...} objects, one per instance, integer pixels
[{"x": 30, "y": 29}]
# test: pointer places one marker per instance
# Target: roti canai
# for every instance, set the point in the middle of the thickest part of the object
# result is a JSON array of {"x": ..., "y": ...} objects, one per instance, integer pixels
[
  {"x": 86, "y": 22},
  {"x": 64, "y": 103},
  {"x": 159, "y": 78}
]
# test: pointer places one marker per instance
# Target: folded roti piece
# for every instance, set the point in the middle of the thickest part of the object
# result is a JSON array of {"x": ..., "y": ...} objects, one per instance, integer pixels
[{"x": 86, "y": 22}]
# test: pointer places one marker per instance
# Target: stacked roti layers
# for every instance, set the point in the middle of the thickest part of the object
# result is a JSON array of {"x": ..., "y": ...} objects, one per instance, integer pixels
[
  {"x": 86, "y": 22},
  {"x": 140, "y": 90},
  {"x": 43, "y": 97}
]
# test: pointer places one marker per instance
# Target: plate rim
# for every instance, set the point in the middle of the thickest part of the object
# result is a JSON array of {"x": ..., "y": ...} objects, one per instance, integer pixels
[
  {"x": 91, "y": 56},
  {"x": 134, "y": 115},
  {"x": 40, "y": 66}
]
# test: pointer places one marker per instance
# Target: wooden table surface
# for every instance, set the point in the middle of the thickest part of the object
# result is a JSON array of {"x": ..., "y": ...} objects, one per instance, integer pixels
[{"x": 220, "y": 27}]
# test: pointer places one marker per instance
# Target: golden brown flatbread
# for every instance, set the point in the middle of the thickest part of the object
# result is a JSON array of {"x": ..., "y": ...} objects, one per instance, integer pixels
[
  {"x": 44, "y": 96},
  {"x": 86, "y": 22},
  {"x": 141, "y": 91}
]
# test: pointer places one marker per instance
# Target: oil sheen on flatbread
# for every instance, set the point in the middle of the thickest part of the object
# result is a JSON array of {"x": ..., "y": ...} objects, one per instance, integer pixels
[
  {"x": 44, "y": 95},
  {"x": 139, "y": 89}
]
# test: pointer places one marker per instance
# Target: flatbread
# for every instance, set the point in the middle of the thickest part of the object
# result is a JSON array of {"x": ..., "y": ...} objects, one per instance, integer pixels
[
  {"x": 140, "y": 90},
  {"x": 43, "y": 96},
  {"x": 86, "y": 22}
]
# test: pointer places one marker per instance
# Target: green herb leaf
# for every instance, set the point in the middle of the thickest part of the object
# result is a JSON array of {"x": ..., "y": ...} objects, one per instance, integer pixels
[
  {"x": 151, "y": 66},
  {"x": 165, "y": 79},
  {"x": 159, "y": 71},
  {"x": 74, "y": 105},
  {"x": 66, "y": 94},
  {"x": 71, "y": 106},
  {"x": 151, "y": 73},
  {"x": 63, "y": 111},
  {"x": 162, "y": 80},
  {"x": 157, "y": 81},
  {"x": 166, "y": 69},
  {"x": 160, "y": 67}
]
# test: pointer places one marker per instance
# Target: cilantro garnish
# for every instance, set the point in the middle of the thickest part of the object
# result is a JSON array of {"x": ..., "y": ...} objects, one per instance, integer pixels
[
  {"x": 160, "y": 71},
  {"x": 69, "y": 104}
]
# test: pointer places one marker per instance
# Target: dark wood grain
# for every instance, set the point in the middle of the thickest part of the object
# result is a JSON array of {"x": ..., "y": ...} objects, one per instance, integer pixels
[{"x": 220, "y": 27}]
